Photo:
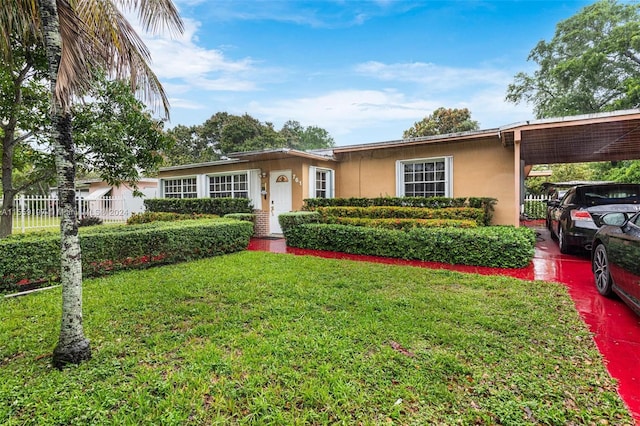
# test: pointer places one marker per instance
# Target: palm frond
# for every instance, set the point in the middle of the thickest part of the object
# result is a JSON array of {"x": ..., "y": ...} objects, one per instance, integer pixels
[
  {"x": 18, "y": 19},
  {"x": 155, "y": 15},
  {"x": 120, "y": 51}
]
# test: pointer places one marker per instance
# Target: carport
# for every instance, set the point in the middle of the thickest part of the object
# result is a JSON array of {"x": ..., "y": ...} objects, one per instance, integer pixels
[{"x": 611, "y": 136}]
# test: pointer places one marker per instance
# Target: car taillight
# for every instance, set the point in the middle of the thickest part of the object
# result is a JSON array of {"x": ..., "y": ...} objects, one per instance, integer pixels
[{"x": 580, "y": 215}]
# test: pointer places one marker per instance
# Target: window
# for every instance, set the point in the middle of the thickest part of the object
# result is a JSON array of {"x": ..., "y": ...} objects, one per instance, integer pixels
[
  {"x": 229, "y": 186},
  {"x": 430, "y": 177},
  {"x": 180, "y": 188},
  {"x": 320, "y": 183}
]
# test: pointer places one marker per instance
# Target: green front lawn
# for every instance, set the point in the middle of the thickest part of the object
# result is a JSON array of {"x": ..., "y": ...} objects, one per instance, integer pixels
[{"x": 261, "y": 338}]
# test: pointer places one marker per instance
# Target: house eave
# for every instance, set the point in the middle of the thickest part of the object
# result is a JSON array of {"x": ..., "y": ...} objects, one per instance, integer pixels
[
  {"x": 476, "y": 134},
  {"x": 201, "y": 165},
  {"x": 279, "y": 153}
]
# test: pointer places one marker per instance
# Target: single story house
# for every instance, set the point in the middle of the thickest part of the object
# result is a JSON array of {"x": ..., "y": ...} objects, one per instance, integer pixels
[{"x": 485, "y": 163}]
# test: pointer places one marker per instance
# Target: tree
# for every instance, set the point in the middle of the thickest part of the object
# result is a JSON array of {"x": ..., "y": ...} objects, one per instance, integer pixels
[
  {"x": 311, "y": 137},
  {"x": 592, "y": 64},
  {"x": 23, "y": 112},
  {"x": 442, "y": 121},
  {"x": 117, "y": 139},
  {"x": 78, "y": 39},
  {"x": 116, "y": 136}
]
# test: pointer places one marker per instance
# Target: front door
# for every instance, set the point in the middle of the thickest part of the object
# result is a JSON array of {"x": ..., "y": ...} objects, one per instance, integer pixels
[{"x": 280, "y": 200}]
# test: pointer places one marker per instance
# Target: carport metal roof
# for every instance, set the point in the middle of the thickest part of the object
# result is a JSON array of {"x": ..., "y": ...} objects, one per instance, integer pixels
[{"x": 610, "y": 136}]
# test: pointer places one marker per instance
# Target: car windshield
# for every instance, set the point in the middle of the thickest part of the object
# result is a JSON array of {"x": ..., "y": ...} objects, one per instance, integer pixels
[{"x": 611, "y": 195}]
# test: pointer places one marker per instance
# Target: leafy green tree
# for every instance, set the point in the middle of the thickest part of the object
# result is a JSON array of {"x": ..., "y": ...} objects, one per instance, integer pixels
[
  {"x": 442, "y": 121},
  {"x": 305, "y": 138},
  {"x": 224, "y": 133},
  {"x": 23, "y": 114},
  {"x": 78, "y": 38},
  {"x": 561, "y": 173},
  {"x": 592, "y": 64},
  {"x": 117, "y": 138},
  {"x": 188, "y": 147}
]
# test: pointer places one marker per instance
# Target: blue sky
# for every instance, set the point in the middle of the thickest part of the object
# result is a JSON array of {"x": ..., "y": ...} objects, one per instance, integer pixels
[{"x": 363, "y": 70}]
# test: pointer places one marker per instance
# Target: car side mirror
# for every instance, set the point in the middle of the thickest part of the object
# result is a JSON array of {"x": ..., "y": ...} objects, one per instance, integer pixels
[
  {"x": 553, "y": 203},
  {"x": 614, "y": 219}
]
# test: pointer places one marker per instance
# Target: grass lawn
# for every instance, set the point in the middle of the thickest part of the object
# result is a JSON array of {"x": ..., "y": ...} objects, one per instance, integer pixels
[{"x": 262, "y": 338}]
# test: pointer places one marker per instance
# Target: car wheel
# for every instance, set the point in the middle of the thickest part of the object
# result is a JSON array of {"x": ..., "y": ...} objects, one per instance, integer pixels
[
  {"x": 601, "y": 274},
  {"x": 562, "y": 241}
]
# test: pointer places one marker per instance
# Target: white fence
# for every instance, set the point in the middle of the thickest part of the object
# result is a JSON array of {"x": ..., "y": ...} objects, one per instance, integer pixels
[
  {"x": 34, "y": 212},
  {"x": 535, "y": 206}
]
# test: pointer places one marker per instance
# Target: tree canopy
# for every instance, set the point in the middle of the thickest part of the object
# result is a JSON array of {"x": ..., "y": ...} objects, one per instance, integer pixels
[
  {"x": 442, "y": 121},
  {"x": 592, "y": 64},
  {"x": 224, "y": 133}
]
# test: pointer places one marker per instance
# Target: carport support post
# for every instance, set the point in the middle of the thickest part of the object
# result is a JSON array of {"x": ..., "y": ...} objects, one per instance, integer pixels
[{"x": 517, "y": 137}]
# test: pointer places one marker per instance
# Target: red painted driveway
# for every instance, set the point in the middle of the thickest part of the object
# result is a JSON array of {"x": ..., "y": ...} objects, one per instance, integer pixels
[{"x": 616, "y": 329}]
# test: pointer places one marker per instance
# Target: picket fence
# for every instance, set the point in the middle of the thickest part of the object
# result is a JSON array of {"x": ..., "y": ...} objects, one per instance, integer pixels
[
  {"x": 37, "y": 212},
  {"x": 535, "y": 206}
]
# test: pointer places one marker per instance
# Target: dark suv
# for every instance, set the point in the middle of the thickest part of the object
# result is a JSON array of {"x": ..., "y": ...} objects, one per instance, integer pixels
[{"x": 574, "y": 219}]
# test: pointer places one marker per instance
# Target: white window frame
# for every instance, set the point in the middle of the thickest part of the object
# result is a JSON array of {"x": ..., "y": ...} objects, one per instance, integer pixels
[
  {"x": 181, "y": 192},
  {"x": 330, "y": 181},
  {"x": 253, "y": 184},
  {"x": 448, "y": 173},
  {"x": 233, "y": 192}
]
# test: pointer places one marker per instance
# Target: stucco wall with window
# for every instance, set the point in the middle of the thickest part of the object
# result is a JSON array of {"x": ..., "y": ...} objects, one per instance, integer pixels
[
  {"x": 479, "y": 167},
  {"x": 299, "y": 168}
]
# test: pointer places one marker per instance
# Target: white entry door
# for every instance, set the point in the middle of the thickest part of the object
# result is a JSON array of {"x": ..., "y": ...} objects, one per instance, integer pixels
[{"x": 280, "y": 200}]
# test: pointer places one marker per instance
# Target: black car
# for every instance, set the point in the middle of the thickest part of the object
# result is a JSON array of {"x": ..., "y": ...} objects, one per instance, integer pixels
[
  {"x": 574, "y": 219},
  {"x": 615, "y": 258}
]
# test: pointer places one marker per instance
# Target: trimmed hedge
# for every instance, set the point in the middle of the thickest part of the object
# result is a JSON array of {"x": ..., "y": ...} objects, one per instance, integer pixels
[
  {"x": 384, "y": 212},
  {"x": 487, "y": 204},
  {"x": 107, "y": 249},
  {"x": 404, "y": 223},
  {"x": 248, "y": 217},
  {"x": 495, "y": 246},
  {"x": 148, "y": 217},
  {"x": 293, "y": 219},
  {"x": 429, "y": 202},
  {"x": 217, "y": 206}
]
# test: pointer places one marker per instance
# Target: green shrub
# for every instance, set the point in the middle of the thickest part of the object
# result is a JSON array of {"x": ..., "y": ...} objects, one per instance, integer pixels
[
  {"x": 107, "y": 249},
  {"x": 392, "y": 212},
  {"x": 290, "y": 220},
  {"x": 429, "y": 202},
  {"x": 248, "y": 217},
  {"x": 148, "y": 217},
  {"x": 404, "y": 223},
  {"x": 217, "y": 206},
  {"x": 496, "y": 246},
  {"x": 487, "y": 204}
]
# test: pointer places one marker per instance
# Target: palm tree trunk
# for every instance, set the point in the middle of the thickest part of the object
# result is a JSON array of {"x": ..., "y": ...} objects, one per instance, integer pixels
[{"x": 72, "y": 346}]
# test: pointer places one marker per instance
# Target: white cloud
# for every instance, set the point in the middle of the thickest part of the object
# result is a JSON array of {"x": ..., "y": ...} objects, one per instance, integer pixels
[
  {"x": 181, "y": 60},
  {"x": 433, "y": 78}
]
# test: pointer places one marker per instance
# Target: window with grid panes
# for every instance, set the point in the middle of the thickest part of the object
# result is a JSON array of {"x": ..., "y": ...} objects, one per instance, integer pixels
[
  {"x": 180, "y": 188},
  {"x": 322, "y": 183},
  {"x": 229, "y": 186},
  {"x": 425, "y": 178}
]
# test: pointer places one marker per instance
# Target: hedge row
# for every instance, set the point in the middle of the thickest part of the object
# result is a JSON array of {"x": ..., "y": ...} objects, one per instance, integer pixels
[
  {"x": 384, "y": 212},
  {"x": 404, "y": 223},
  {"x": 495, "y": 246},
  {"x": 217, "y": 206},
  {"x": 485, "y": 203},
  {"x": 148, "y": 217},
  {"x": 36, "y": 259}
]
